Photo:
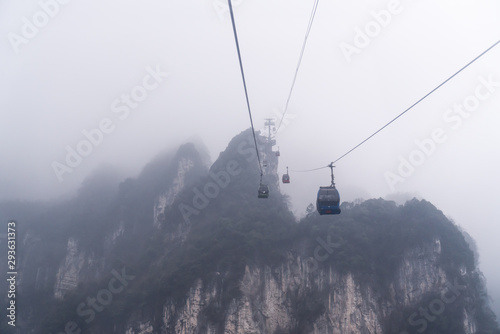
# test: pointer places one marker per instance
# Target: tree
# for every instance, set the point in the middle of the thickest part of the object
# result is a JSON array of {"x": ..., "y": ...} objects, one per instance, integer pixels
[{"x": 310, "y": 209}]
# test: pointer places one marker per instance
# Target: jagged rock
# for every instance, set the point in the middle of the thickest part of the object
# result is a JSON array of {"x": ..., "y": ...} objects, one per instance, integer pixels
[{"x": 235, "y": 264}]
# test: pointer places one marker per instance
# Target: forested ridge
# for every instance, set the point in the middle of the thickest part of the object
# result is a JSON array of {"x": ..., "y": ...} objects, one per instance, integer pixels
[{"x": 235, "y": 230}]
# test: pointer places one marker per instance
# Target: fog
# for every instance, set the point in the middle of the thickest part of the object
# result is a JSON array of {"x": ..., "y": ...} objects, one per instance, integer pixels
[{"x": 136, "y": 78}]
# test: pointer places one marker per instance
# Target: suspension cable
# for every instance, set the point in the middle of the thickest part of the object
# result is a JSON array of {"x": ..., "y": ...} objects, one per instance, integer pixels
[
  {"x": 308, "y": 170},
  {"x": 245, "y": 87},
  {"x": 311, "y": 19},
  {"x": 420, "y": 100},
  {"x": 409, "y": 108}
]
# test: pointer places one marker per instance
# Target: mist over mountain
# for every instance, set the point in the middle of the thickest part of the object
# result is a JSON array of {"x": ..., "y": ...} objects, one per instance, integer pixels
[{"x": 187, "y": 247}]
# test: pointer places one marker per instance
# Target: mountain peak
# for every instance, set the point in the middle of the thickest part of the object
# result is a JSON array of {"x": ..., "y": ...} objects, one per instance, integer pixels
[{"x": 195, "y": 251}]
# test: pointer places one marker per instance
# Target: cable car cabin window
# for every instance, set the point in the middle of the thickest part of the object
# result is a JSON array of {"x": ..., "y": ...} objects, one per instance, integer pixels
[
  {"x": 329, "y": 200},
  {"x": 329, "y": 196}
]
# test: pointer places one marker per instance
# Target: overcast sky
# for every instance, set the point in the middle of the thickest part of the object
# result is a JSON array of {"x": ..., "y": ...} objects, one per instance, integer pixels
[{"x": 152, "y": 74}]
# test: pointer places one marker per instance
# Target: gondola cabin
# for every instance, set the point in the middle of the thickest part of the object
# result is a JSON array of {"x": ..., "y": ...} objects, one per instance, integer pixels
[
  {"x": 285, "y": 178},
  {"x": 328, "y": 201},
  {"x": 263, "y": 191}
]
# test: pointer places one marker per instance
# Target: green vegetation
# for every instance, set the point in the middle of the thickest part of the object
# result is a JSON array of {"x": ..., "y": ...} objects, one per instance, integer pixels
[
  {"x": 374, "y": 235},
  {"x": 233, "y": 230}
]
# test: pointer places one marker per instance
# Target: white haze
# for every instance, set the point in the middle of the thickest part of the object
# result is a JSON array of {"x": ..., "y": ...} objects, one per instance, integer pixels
[{"x": 65, "y": 79}]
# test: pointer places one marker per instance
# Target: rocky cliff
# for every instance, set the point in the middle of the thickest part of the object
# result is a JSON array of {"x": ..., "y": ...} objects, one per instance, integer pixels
[{"x": 187, "y": 248}]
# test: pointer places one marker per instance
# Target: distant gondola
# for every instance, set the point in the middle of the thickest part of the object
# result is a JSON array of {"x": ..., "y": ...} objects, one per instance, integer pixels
[
  {"x": 286, "y": 177},
  {"x": 263, "y": 191}
]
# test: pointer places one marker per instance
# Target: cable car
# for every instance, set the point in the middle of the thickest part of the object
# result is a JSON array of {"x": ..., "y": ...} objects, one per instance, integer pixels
[
  {"x": 286, "y": 177},
  {"x": 263, "y": 191},
  {"x": 278, "y": 152},
  {"x": 265, "y": 163},
  {"x": 328, "y": 201}
]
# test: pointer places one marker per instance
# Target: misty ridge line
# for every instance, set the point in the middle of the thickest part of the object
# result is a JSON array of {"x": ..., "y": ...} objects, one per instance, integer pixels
[
  {"x": 121, "y": 106},
  {"x": 218, "y": 180},
  {"x": 454, "y": 118}
]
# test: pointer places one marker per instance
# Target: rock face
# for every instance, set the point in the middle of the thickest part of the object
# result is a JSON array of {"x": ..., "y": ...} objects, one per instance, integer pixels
[
  {"x": 69, "y": 272},
  {"x": 165, "y": 200},
  {"x": 183, "y": 249},
  {"x": 271, "y": 298}
]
